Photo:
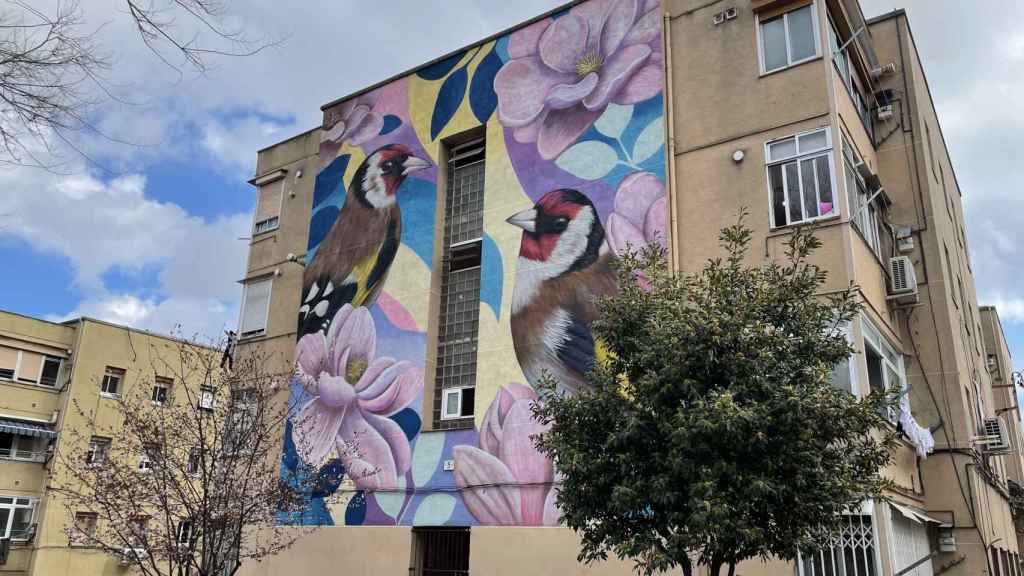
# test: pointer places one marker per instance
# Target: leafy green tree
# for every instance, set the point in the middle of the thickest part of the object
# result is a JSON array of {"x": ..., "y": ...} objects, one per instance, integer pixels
[{"x": 712, "y": 433}]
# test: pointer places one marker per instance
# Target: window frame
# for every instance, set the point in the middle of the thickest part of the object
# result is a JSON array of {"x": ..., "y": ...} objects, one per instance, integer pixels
[
  {"x": 160, "y": 382},
  {"x": 90, "y": 455},
  {"x": 112, "y": 371},
  {"x": 798, "y": 157},
  {"x": 42, "y": 368},
  {"x": 18, "y": 503},
  {"x": 865, "y": 510},
  {"x": 207, "y": 398},
  {"x": 872, "y": 213},
  {"x": 880, "y": 345},
  {"x": 815, "y": 26},
  {"x": 269, "y": 280},
  {"x": 78, "y": 536},
  {"x": 446, "y": 392},
  {"x": 17, "y": 449}
]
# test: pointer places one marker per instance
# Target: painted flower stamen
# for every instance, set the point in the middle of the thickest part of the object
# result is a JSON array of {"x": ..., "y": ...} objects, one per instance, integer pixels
[{"x": 588, "y": 64}]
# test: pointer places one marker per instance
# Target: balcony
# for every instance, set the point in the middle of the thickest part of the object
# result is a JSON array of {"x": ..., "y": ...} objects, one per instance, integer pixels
[{"x": 24, "y": 441}]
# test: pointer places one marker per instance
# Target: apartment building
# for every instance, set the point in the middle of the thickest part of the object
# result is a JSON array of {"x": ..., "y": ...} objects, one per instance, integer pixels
[
  {"x": 436, "y": 244},
  {"x": 46, "y": 368}
]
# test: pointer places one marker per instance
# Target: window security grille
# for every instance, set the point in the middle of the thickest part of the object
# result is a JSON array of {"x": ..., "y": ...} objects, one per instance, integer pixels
[
  {"x": 853, "y": 553},
  {"x": 441, "y": 552},
  {"x": 460, "y": 288}
]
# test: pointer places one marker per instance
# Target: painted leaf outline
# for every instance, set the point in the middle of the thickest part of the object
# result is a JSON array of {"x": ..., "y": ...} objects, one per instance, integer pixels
[
  {"x": 482, "y": 97},
  {"x": 614, "y": 120},
  {"x": 589, "y": 160},
  {"x": 449, "y": 98},
  {"x": 391, "y": 123},
  {"x": 441, "y": 68},
  {"x": 650, "y": 140}
]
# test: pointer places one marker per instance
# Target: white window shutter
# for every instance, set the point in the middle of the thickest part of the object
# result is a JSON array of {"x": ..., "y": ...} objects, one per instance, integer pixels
[{"x": 254, "y": 307}]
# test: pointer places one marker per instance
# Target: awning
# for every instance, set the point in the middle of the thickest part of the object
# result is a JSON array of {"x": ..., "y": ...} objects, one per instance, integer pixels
[
  {"x": 915, "y": 515},
  {"x": 22, "y": 428}
]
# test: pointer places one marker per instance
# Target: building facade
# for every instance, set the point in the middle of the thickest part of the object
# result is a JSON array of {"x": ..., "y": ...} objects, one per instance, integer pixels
[
  {"x": 51, "y": 374},
  {"x": 438, "y": 243}
]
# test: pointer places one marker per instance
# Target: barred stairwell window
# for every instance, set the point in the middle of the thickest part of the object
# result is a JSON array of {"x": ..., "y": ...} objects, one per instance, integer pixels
[
  {"x": 800, "y": 178},
  {"x": 455, "y": 377},
  {"x": 853, "y": 553}
]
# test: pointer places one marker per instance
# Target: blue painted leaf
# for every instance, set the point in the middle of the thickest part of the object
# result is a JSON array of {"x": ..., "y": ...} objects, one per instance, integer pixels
[
  {"x": 320, "y": 224},
  {"x": 434, "y": 510},
  {"x": 482, "y": 98},
  {"x": 290, "y": 456},
  {"x": 329, "y": 180},
  {"x": 590, "y": 160},
  {"x": 328, "y": 478},
  {"x": 390, "y": 501},
  {"x": 426, "y": 455},
  {"x": 448, "y": 101},
  {"x": 614, "y": 120},
  {"x": 438, "y": 70},
  {"x": 493, "y": 280},
  {"x": 409, "y": 421},
  {"x": 650, "y": 140},
  {"x": 355, "y": 512},
  {"x": 391, "y": 123}
]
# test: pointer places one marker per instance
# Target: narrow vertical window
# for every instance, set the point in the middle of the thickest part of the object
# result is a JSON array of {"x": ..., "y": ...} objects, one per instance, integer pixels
[
  {"x": 455, "y": 377},
  {"x": 255, "y": 305},
  {"x": 268, "y": 202},
  {"x": 788, "y": 39},
  {"x": 111, "y": 383},
  {"x": 161, "y": 387}
]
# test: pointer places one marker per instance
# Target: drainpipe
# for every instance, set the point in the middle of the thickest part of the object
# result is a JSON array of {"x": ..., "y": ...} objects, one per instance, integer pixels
[{"x": 670, "y": 150}]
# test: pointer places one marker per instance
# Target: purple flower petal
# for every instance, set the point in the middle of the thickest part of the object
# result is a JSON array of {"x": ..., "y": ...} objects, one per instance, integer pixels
[
  {"x": 314, "y": 429},
  {"x": 646, "y": 29},
  {"x": 530, "y": 132},
  {"x": 621, "y": 234},
  {"x": 355, "y": 116},
  {"x": 370, "y": 127},
  {"x": 655, "y": 225},
  {"x": 621, "y": 16},
  {"x": 635, "y": 194},
  {"x": 521, "y": 86},
  {"x": 356, "y": 334},
  {"x": 311, "y": 359},
  {"x": 489, "y": 490},
  {"x": 567, "y": 95},
  {"x": 524, "y": 42},
  {"x": 564, "y": 43},
  {"x": 595, "y": 14},
  {"x": 527, "y": 464},
  {"x": 645, "y": 83},
  {"x": 373, "y": 449},
  {"x": 335, "y": 392},
  {"x": 335, "y": 133},
  {"x": 615, "y": 72},
  {"x": 562, "y": 128},
  {"x": 392, "y": 390}
]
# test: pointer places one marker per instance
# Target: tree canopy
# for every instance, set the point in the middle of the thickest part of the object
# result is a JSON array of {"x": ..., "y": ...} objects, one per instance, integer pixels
[{"x": 712, "y": 433}]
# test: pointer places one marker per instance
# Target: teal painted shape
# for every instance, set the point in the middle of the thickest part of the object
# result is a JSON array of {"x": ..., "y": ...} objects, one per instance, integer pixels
[
  {"x": 426, "y": 455},
  {"x": 449, "y": 98},
  {"x": 590, "y": 160},
  {"x": 434, "y": 510}
]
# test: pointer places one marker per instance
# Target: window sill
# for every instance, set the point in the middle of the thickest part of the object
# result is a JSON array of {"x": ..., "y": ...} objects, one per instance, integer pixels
[
  {"x": 27, "y": 386},
  {"x": 110, "y": 396},
  {"x": 787, "y": 228},
  {"x": 763, "y": 74}
]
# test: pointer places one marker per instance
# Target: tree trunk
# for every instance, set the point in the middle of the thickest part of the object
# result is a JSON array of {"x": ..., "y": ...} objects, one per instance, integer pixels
[
  {"x": 687, "y": 567},
  {"x": 732, "y": 569}
]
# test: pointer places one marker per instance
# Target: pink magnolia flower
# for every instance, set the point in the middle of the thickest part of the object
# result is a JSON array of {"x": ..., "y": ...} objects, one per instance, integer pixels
[
  {"x": 507, "y": 480},
  {"x": 352, "y": 121},
  {"x": 563, "y": 72},
  {"x": 355, "y": 392},
  {"x": 639, "y": 214}
]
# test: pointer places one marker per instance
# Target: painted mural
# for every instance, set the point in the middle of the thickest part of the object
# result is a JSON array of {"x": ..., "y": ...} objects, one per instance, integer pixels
[{"x": 575, "y": 169}]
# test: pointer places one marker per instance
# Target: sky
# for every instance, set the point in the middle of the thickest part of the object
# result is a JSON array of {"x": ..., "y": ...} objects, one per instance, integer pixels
[{"x": 115, "y": 237}]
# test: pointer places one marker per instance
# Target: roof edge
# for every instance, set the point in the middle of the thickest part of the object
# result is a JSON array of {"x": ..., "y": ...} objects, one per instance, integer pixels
[{"x": 887, "y": 16}]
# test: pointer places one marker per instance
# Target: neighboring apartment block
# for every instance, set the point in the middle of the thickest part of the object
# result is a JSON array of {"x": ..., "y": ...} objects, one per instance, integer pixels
[
  {"x": 46, "y": 369},
  {"x": 438, "y": 244}
]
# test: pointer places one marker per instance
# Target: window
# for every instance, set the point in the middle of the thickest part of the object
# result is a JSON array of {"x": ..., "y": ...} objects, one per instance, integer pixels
[
  {"x": 885, "y": 365},
  {"x": 84, "y": 531},
  {"x": 848, "y": 73},
  {"x": 460, "y": 287},
  {"x": 843, "y": 375},
  {"x": 206, "y": 398},
  {"x": 865, "y": 209},
  {"x": 440, "y": 552},
  {"x": 149, "y": 458},
  {"x": 138, "y": 531},
  {"x": 160, "y": 388},
  {"x": 111, "y": 383},
  {"x": 268, "y": 202},
  {"x": 853, "y": 553},
  {"x": 17, "y": 447},
  {"x": 800, "y": 178},
  {"x": 195, "y": 462},
  {"x": 8, "y": 362},
  {"x": 788, "y": 39},
  {"x": 50, "y": 371},
  {"x": 240, "y": 421},
  {"x": 16, "y": 515},
  {"x": 183, "y": 535},
  {"x": 255, "y": 304},
  {"x": 910, "y": 544},
  {"x": 99, "y": 448}
]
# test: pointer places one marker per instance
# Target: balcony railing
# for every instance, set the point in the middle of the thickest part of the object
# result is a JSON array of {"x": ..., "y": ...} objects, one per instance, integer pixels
[{"x": 22, "y": 455}]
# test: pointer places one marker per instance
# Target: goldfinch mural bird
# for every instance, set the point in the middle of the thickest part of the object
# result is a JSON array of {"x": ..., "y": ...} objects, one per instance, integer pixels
[
  {"x": 564, "y": 266},
  {"x": 352, "y": 261}
]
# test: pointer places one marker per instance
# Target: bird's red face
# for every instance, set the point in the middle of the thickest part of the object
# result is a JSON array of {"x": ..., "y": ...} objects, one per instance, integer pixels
[
  {"x": 561, "y": 230},
  {"x": 384, "y": 171}
]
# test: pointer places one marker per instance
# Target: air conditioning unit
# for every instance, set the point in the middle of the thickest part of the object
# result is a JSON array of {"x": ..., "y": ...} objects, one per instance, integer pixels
[
  {"x": 902, "y": 279},
  {"x": 879, "y": 71},
  {"x": 884, "y": 113},
  {"x": 995, "y": 439},
  {"x": 128, "y": 555}
]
